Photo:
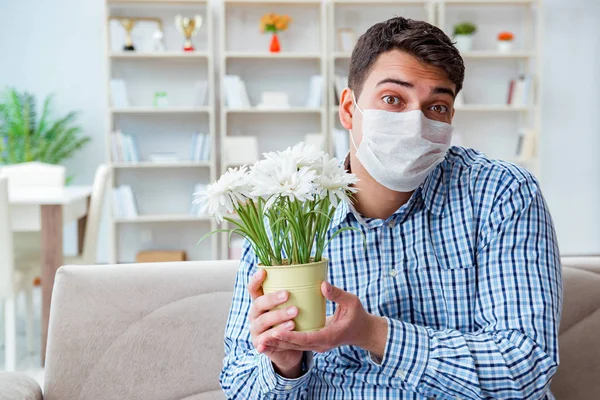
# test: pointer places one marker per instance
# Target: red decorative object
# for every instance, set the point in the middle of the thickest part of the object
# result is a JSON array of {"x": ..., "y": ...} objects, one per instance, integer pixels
[
  {"x": 275, "y": 46},
  {"x": 188, "y": 47}
]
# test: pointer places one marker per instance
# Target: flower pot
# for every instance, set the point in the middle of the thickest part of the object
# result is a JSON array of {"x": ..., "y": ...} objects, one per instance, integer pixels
[
  {"x": 303, "y": 282},
  {"x": 464, "y": 43},
  {"x": 505, "y": 46},
  {"x": 275, "y": 46}
]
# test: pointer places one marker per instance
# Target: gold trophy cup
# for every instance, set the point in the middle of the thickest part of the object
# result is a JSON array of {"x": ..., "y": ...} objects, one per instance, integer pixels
[
  {"x": 129, "y": 23},
  {"x": 188, "y": 27}
]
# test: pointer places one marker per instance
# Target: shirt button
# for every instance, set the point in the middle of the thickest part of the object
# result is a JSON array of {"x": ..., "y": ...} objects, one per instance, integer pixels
[
  {"x": 288, "y": 387},
  {"x": 401, "y": 374},
  {"x": 393, "y": 273},
  {"x": 392, "y": 223}
]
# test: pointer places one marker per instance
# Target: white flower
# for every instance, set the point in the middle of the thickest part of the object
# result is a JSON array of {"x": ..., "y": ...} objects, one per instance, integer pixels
[
  {"x": 225, "y": 195},
  {"x": 334, "y": 182},
  {"x": 282, "y": 179},
  {"x": 302, "y": 155}
]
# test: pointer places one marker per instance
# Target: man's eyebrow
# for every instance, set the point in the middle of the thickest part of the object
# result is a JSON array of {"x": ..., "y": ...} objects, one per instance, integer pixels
[
  {"x": 436, "y": 90},
  {"x": 396, "y": 82},
  {"x": 443, "y": 90}
]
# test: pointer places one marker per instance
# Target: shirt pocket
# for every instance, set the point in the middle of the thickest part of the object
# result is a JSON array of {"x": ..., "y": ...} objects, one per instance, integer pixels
[{"x": 444, "y": 285}]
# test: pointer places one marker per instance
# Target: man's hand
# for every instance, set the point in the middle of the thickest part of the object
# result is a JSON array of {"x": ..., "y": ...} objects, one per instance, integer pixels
[
  {"x": 350, "y": 325},
  {"x": 264, "y": 324}
]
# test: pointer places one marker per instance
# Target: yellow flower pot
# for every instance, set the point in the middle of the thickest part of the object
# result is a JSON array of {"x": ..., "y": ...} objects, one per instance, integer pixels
[{"x": 303, "y": 282}]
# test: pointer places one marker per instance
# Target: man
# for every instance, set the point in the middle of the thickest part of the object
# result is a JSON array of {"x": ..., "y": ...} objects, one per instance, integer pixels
[{"x": 458, "y": 291}]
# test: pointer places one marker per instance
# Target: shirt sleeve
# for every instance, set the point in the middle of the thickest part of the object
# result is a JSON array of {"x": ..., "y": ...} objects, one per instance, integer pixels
[
  {"x": 247, "y": 374},
  {"x": 514, "y": 352}
]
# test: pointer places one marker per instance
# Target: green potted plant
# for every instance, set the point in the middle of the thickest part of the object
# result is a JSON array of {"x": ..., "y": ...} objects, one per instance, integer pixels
[
  {"x": 463, "y": 36},
  {"x": 24, "y": 137},
  {"x": 284, "y": 205}
]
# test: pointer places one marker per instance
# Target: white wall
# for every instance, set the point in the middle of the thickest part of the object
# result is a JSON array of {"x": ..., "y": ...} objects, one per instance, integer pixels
[{"x": 58, "y": 47}]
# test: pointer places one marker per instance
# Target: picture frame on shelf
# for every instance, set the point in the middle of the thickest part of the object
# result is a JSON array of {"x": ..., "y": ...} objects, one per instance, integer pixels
[
  {"x": 346, "y": 39},
  {"x": 240, "y": 150},
  {"x": 118, "y": 93}
]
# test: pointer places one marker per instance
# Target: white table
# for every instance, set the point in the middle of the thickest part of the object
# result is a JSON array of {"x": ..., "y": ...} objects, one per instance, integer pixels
[{"x": 47, "y": 210}]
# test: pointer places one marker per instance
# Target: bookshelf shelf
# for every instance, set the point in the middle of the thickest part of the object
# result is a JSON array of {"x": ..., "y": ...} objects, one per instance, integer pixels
[
  {"x": 378, "y": 2},
  {"x": 161, "y": 191},
  {"x": 273, "y": 56},
  {"x": 158, "y": 110},
  {"x": 497, "y": 55},
  {"x": 489, "y": 2},
  {"x": 163, "y": 218},
  {"x": 493, "y": 108},
  {"x": 259, "y": 2},
  {"x": 293, "y": 110},
  {"x": 179, "y": 55},
  {"x": 152, "y": 165},
  {"x": 158, "y": 2}
]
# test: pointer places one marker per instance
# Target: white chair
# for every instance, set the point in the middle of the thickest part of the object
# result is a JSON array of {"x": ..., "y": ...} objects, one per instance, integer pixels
[
  {"x": 11, "y": 281},
  {"x": 90, "y": 238}
]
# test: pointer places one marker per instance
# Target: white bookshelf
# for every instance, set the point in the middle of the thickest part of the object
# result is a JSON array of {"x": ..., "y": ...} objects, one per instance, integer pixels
[
  {"x": 359, "y": 16},
  {"x": 485, "y": 122},
  {"x": 163, "y": 190},
  {"x": 245, "y": 52}
]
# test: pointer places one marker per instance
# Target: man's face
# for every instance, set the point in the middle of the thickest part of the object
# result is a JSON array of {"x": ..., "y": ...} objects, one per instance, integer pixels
[{"x": 398, "y": 82}]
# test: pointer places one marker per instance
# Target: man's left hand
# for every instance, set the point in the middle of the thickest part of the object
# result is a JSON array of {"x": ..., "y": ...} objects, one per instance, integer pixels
[{"x": 349, "y": 325}]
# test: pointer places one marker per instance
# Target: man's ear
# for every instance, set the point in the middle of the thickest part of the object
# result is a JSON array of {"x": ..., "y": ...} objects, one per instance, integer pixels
[{"x": 346, "y": 109}]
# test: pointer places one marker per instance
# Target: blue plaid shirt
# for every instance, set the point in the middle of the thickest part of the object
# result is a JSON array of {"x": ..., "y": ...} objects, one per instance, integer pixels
[{"x": 468, "y": 276}]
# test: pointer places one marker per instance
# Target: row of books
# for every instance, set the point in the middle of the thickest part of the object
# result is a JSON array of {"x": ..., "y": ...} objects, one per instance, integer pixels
[
  {"x": 201, "y": 144},
  {"x": 124, "y": 148},
  {"x": 124, "y": 205},
  {"x": 520, "y": 91}
]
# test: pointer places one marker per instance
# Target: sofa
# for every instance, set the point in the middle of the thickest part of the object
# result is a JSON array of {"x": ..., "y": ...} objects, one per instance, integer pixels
[{"x": 155, "y": 331}]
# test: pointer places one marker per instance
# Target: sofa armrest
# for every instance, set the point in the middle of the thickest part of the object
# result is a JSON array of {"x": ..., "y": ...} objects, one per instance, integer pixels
[{"x": 16, "y": 386}]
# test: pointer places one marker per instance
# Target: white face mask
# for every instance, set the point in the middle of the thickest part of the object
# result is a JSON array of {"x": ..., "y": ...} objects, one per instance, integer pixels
[{"x": 400, "y": 149}]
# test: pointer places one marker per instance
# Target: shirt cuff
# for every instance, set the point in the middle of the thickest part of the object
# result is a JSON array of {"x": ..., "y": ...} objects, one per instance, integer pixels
[
  {"x": 406, "y": 353},
  {"x": 272, "y": 382}
]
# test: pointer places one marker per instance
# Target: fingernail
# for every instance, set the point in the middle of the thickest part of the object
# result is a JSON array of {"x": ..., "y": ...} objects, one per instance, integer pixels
[
  {"x": 288, "y": 325},
  {"x": 281, "y": 295},
  {"x": 256, "y": 275},
  {"x": 328, "y": 287},
  {"x": 291, "y": 311}
]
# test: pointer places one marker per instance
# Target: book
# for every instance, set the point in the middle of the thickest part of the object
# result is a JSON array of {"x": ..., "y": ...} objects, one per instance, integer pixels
[
  {"x": 236, "y": 92},
  {"x": 118, "y": 93},
  {"x": 206, "y": 148},
  {"x": 521, "y": 91},
  {"x": 240, "y": 150},
  {"x": 315, "y": 92},
  {"x": 129, "y": 206},
  {"x": 124, "y": 148},
  {"x": 200, "y": 89},
  {"x": 193, "y": 148},
  {"x": 341, "y": 143},
  {"x": 340, "y": 83},
  {"x": 196, "y": 208}
]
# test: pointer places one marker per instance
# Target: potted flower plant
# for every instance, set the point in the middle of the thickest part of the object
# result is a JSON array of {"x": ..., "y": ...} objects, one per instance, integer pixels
[
  {"x": 505, "y": 42},
  {"x": 463, "y": 35},
  {"x": 284, "y": 205},
  {"x": 273, "y": 23}
]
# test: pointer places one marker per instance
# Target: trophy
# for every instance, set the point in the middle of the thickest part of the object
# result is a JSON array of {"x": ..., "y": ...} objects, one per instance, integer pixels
[
  {"x": 129, "y": 23},
  {"x": 188, "y": 27}
]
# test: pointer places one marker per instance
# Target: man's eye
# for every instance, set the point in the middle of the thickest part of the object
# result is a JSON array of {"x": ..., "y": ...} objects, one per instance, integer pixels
[
  {"x": 438, "y": 108},
  {"x": 391, "y": 100}
]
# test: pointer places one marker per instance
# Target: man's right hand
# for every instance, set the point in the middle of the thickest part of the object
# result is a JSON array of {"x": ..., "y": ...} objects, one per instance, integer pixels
[{"x": 263, "y": 322}]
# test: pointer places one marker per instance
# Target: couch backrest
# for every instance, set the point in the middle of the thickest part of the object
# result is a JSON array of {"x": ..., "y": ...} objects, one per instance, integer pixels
[
  {"x": 578, "y": 376},
  {"x": 140, "y": 331}
]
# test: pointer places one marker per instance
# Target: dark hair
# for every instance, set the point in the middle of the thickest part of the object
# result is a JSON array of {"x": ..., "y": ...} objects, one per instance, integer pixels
[{"x": 427, "y": 43}]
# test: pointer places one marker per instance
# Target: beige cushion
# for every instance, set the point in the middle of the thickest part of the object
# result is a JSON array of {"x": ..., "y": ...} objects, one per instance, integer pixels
[
  {"x": 578, "y": 376},
  {"x": 17, "y": 386},
  {"x": 145, "y": 331}
]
